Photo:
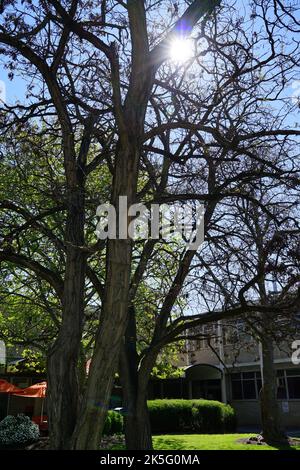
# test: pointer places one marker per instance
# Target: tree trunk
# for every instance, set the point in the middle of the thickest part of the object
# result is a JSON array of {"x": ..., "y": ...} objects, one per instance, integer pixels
[
  {"x": 62, "y": 363},
  {"x": 113, "y": 318},
  {"x": 137, "y": 425},
  {"x": 270, "y": 414}
]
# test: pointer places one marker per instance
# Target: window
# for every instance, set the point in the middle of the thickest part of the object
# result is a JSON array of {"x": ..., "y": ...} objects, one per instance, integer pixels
[
  {"x": 249, "y": 387},
  {"x": 294, "y": 387},
  {"x": 293, "y": 372},
  {"x": 202, "y": 343},
  {"x": 239, "y": 331},
  {"x": 246, "y": 385},
  {"x": 237, "y": 389},
  {"x": 281, "y": 385},
  {"x": 206, "y": 330},
  {"x": 288, "y": 382},
  {"x": 293, "y": 382},
  {"x": 211, "y": 331}
]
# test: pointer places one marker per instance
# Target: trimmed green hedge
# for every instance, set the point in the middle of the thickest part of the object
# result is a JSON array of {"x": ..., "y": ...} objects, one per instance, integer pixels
[
  {"x": 114, "y": 423},
  {"x": 198, "y": 416},
  {"x": 189, "y": 416}
]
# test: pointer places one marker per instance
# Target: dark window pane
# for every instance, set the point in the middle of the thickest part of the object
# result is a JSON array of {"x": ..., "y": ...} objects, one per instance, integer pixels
[
  {"x": 198, "y": 389},
  {"x": 280, "y": 373},
  {"x": 259, "y": 385},
  {"x": 281, "y": 390},
  {"x": 236, "y": 376},
  {"x": 294, "y": 387},
  {"x": 213, "y": 391},
  {"x": 249, "y": 389},
  {"x": 293, "y": 372},
  {"x": 172, "y": 389},
  {"x": 248, "y": 375},
  {"x": 258, "y": 375},
  {"x": 156, "y": 390},
  {"x": 213, "y": 382},
  {"x": 237, "y": 393}
]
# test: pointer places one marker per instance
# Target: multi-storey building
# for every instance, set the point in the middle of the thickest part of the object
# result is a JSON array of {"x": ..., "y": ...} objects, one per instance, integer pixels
[{"x": 227, "y": 367}]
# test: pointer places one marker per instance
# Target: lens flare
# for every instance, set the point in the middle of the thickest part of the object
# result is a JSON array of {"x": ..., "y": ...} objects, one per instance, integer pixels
[{"x": 181, "y": 50}]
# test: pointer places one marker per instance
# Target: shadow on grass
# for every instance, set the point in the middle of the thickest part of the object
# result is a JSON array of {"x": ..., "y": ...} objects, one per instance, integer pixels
[
  {"x": 283, "y": 446},
  {"x": 169, "y": 444}
]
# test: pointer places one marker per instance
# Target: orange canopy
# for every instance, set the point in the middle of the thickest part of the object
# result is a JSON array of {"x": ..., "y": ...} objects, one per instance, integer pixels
[
  {"x": 35, "y": 391},
  {"x": 6, "y": 387}
]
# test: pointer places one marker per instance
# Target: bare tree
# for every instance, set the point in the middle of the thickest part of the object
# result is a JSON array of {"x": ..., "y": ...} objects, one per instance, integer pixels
[
  {"x": 254, "y": 252},
  {"x": 53, "y": 44},
  {"x": 99, "y": 78}
]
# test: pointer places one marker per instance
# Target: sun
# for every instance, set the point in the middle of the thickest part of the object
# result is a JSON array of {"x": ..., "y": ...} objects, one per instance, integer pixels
[{"x": 181, "y": 50}]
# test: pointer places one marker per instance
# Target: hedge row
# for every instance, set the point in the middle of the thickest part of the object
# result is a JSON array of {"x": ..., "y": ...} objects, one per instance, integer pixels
[
  {"x": 199, "y": 416},
  {"x": 170, "y": 416}
]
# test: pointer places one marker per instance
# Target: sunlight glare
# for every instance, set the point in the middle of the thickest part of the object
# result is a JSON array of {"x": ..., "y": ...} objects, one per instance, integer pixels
[{"x": 181, "y": 50}]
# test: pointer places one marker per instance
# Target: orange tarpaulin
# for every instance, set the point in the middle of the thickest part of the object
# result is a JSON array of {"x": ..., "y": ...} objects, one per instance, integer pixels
[
  {"x": 35, "y": 391},
  {"x": 6, "y": 387}
]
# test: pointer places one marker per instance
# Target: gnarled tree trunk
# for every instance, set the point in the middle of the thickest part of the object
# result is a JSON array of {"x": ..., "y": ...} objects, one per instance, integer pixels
[
  {"x": 62, "y": 363},
  {"x": 113, "y": 315}
]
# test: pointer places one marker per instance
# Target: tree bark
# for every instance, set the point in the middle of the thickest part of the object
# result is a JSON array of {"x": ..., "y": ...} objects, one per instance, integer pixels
[
  {"x": 113, "y": 314},
  {"x": 270, "y": 414},
  {"x": 135, "y": 386},
  {"x": 62, "y": 362},
  {"x": 137, "y": 426}
]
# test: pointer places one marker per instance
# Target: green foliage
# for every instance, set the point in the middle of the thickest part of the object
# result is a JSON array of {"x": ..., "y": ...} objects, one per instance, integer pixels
[
  {"x": 30, "y": 312},
  {"x": 107, "y": 425},
  {"x": 23, "y": 320},
  {"x": 149, "y": 298},
  {"x": 34, "y": 186},
  {"x": 194, "y": 416},
  {"x": 163, "y": 368},
  {"x": 117, "y": 422},
  {"x": 114, "y": 423},
  {"x": 200, "y": 416},
  {"x": 35, "y": 362},
  {"x": 17, "y": 430}
]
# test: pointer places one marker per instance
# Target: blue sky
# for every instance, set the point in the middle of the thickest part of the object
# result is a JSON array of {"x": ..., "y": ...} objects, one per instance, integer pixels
[{"x": 15, "y": 89}]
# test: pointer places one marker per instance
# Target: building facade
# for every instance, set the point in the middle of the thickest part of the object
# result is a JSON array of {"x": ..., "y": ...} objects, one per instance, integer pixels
[
  {"x": 223, "y": 364},
  {"x": 227, "y": 367}
]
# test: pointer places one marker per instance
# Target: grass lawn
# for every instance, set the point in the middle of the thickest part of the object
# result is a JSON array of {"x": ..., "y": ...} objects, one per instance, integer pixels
[
  {"x": 208, "y": 442},
  {"x": 205, "y": 442}
]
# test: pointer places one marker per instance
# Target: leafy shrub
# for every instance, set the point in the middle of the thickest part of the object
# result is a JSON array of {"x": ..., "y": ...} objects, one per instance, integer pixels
[
  {"x": 18, "y": 430},
  {"x": 200, "y": 416},
  {"x": 117, "y": 422},
  {"x": 107, "y": 425},
  {"x": 114, "y": 423}
]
